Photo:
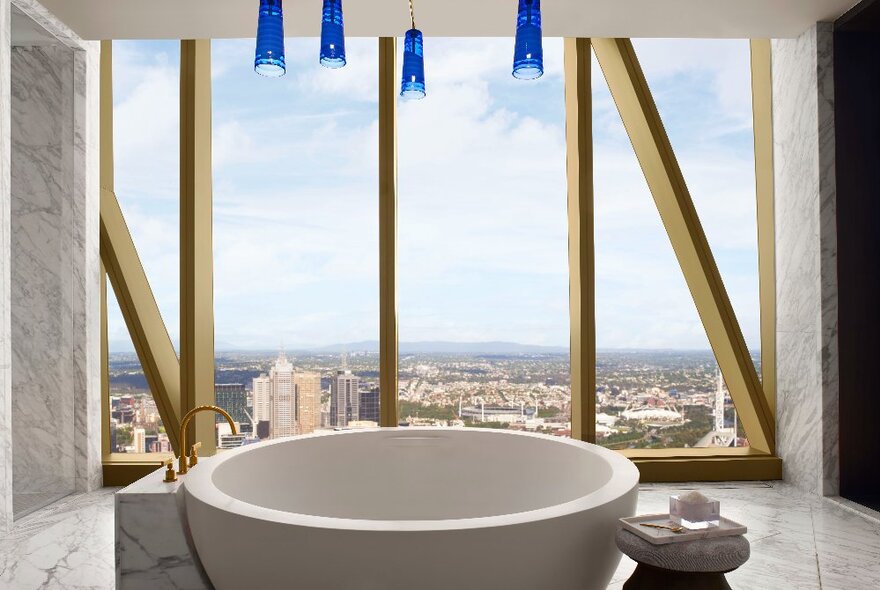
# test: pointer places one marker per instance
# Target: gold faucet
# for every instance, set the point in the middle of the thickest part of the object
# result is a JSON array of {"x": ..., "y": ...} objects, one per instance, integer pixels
[{"x": 183, "y": 465}]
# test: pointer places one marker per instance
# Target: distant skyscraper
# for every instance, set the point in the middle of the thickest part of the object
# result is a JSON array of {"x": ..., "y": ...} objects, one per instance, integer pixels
[
  {"x": 308, "y": 401},
  {"x": 344, "y": 398},
  {"x": 283, "y": 398},
  {"x": 369, "y": 406},
  {"x": 139, "y": 440},
  {"x": 719, "y": 403},
  {"x": 288, "y": 401},
  {"x": 232, "y": 397},
  {"x": 262, "y": 398}
]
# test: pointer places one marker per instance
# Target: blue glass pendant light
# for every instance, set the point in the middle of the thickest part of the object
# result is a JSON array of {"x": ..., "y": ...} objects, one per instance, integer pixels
[
  {"x": 528, "y": 56},
  {"x": 269, "y": 60},
  {"x": 412, "y": 85},
  {"x": 332, "y": 35}
]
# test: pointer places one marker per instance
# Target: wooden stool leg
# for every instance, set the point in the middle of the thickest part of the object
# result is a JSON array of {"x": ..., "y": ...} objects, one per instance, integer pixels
[{"x": 647, "y": 577}]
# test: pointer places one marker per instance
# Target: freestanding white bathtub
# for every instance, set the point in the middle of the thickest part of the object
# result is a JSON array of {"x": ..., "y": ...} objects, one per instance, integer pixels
[{"x": 411, "y": 509}]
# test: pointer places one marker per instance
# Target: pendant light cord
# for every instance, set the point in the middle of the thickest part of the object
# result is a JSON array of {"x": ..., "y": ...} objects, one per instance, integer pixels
[{"x": 412, "y": 14}]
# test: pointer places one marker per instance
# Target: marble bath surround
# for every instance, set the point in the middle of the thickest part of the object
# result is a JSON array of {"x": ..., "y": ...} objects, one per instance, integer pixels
[
  {"x": 153, "y": 545},
  {"x": 798, "y": 541}
]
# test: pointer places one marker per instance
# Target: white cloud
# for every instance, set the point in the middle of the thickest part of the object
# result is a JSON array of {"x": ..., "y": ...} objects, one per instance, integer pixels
[
  {"x": 482, "y": 236},
  {"x": 724, "y": 62}
]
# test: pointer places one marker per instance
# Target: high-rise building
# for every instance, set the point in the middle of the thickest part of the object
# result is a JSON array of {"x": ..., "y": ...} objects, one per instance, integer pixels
[
  {"x": 275, "y": 398},
  {"x": 344, "y": 398},
  {"x": 139, "y": 440},
  {"x": 232, "y": 397},
  {"x": 283, "y": 398},
  {"x": 262, "y": 394},
  {"x": 308, "y": 401},
  {"x": 369, "y": 406}
]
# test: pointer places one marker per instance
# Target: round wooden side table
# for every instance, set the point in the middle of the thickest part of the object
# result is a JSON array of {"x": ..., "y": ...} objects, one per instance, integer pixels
[{"x": 689, "y": 565}]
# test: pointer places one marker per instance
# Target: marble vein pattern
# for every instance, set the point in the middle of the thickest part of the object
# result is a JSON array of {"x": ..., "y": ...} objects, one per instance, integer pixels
[
  {"x": 798, "y": 541},
  {"x": 66, "y": 546},
  {"x": 5, "y": 271},
  {"x": 806, "y": 258},
  {"x": 153, "y": 547},
  {"x": 828, "y": 259},
  {"x": 86, "y": 267},
  {"x": 43, "y": 17},
  {"x": 42, "y": 317}
]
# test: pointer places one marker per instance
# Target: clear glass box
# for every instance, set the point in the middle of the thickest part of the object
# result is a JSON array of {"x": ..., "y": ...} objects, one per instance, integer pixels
[{"x": 694, "y": 515}]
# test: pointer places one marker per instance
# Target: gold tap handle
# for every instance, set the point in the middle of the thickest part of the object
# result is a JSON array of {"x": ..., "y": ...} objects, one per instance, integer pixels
[
  {"x": 170, "y": 474},
  {"x": 194, "y": 455}
]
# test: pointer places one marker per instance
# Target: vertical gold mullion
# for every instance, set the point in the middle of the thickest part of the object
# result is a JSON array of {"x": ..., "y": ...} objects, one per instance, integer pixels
[
  {"x": 106, "y": 115},
  {"x": 196, "y": 241},
  {"x": 581, "y": 263},
  {"x": 388, "y": 232},
  {"x": 105, "y": 149},
  {"x": 762, "y": 113},
  {"x": 105, "y": 369}
]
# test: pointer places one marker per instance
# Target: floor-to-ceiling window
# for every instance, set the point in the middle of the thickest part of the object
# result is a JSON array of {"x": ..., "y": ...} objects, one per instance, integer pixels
[
  {"x": 482, "y": 242},
  {"x": 296, "y": 239},
  {"x": 483, "y": 267},
  {"x": 658, "y": 383},
  {"x": 146, "y": 87}
]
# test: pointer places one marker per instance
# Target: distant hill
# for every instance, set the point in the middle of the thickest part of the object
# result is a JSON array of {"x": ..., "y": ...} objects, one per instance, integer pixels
[
  {"x": 438, "y": 347},
  {"x": 447, "y": 347}
]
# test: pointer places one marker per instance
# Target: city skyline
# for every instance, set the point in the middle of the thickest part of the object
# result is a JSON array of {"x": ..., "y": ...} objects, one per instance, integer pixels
[{"x": 643, "y": 399}]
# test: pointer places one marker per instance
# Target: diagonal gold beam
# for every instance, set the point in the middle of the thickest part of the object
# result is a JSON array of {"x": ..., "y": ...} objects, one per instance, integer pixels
[
  {"x": 141, "y": 314},
  {"x": 387, "y": 232},
  {"x": 581, "y": 264},
  {"x": 762, "y": 114},
  {"x": 654, "y": 151},
  {"x": 119, "y": 256},
  {"x": 196, "y": 241}
]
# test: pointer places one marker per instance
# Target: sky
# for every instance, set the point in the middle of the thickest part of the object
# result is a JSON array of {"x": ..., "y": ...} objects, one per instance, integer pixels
[{"x": 482, "y": 232}]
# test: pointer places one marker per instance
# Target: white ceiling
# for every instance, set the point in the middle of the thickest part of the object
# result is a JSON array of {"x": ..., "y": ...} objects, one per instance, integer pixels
[{"x": 188, "y": 19}]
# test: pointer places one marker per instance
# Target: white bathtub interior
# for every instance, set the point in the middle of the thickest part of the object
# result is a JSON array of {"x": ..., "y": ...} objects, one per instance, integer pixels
[{"x": 418, "y": 476}]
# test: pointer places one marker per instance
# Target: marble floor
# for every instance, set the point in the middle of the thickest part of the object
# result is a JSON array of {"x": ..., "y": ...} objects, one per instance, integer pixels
[
  {"x": 24, "y": 504},
  {"x": 798, "y": 542}
]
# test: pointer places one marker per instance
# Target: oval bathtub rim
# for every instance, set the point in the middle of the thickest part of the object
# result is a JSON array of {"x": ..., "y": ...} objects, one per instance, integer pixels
[{"x": 199, "y": 485}]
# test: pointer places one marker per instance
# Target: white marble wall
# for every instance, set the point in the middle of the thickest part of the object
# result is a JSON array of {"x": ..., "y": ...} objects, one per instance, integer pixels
[
  {"x": 86, "y": 259},
  {"x": 806, "y": 259},
  {"x": 85, "y": 254},
  {"x": 42, "y": 277},
  {"x": 5, "y": 340},
  {"x": 50, "y": 411}
]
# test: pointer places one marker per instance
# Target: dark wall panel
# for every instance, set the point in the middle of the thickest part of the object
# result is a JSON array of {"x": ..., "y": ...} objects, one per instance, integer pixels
[{"x": 857, "y": 121}]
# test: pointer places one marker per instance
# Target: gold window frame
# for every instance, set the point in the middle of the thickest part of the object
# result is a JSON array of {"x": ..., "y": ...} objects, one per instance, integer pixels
[{"x": 178, "y": 385}]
